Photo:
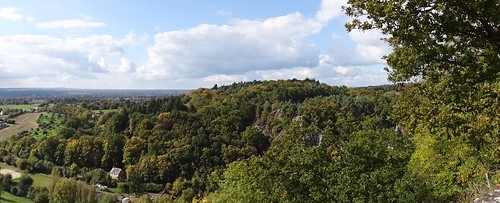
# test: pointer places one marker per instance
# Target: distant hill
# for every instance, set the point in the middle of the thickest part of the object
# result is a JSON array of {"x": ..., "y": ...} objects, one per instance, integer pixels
[{"x": 51, "y": 92}]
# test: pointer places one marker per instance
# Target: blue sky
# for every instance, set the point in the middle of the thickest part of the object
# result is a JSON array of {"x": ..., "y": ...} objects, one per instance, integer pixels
[{"x": 182, "y": 44}]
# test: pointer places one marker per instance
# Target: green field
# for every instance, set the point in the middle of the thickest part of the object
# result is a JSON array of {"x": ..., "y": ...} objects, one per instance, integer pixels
[
  {"x": 7, "y": 197},
  {"x": 39, "y": 179},
  {"x": 21, "y": 106},
  {"x": 42, "y": 180},
  {"x": 47, "y": 118}
]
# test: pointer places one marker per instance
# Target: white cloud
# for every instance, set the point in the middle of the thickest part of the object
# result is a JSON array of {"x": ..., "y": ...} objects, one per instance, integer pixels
[
  {"x": 242, "y": 46},
  {"x": 12, "y": 13},
  {"x": 70, "y": 24},
  {"x": 126, "y": 66},
  {"x": 44, "y": 59},
  {"x": 330, "y": 9},
  {"x": 224, "y": 79},
  {"x": 132, "y": 38},
  {"x": 370, "y": 46},
  {"x": 366, "y": 48},
  {"x": 242, "y": 50}
]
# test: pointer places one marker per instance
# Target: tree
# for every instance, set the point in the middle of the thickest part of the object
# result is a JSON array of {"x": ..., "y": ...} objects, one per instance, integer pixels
[
  {"x": 24, "y": 184},
  {"x": 39, "y": 194},
  {"x": 434, "y": 38},
  {"x": 64, "y": 191},
  {"x": 113, "y": 152},
  {"x": 288, "y": 172},
  {"x": 133, "y": 150},
  {"x": 6, "y": 182},
  {"x": 70, "y": 191},
  {"x": 452, "y": 49},
  {"x": 65, "y": 132},
  {"x": 47, "y": 148},
  {"x": 117, "y": 123}
]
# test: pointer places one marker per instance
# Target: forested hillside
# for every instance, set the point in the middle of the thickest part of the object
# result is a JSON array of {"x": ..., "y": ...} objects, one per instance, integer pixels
[
  {"x": 294, "y": 140},
  {"x": 269, "y": 141},
  {"x": 447, "y": 52}
]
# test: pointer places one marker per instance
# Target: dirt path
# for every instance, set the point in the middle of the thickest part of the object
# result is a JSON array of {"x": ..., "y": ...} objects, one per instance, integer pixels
[
  {"x": 24, "y": 122},
  {"x": 13, "y": 173}
]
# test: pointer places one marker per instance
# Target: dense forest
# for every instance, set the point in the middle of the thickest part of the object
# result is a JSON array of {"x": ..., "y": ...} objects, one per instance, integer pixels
[
  {"x": 295, "y": 140},
  {"x": 270, "y": 141}
]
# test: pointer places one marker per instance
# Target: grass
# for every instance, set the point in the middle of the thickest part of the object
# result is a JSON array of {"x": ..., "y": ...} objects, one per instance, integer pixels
[
  {"x": 6, "y": 166},
  {"x": 39, "y": 179},
  {"x": 114, "y": 190},
  {"x": 54, "y": 120},
  {"x": 18, "y": 106},
  {"x": 7, "y": 197},
  {"x": 38, "y": 134},
  {"x": 47, "y": 118}
]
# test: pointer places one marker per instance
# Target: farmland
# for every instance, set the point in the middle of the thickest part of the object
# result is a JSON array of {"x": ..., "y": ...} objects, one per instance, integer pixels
[
  {"x": 20, "y": 106},
  {"x": 24, "y": 122}
]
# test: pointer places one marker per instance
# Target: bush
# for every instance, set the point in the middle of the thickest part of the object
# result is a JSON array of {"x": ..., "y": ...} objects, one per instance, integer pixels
[
  {"x": 187, "y": 195},
  {"x": 15, "y": 191},
  {"x": 6, "y": 181},
  {"x": 38, "y": 194},
  {"x": 24, "y": 184},
  {"x": 8, "y": 159},
  {"x": 108, "y": 198},
  {"x": 22, "y": 164},
  {"x": 123, "y": 187},
  {"x": 153, "y": 187}
]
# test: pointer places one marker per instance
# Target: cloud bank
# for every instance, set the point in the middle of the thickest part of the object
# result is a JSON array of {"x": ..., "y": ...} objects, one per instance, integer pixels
[{"x": 263, "y": 49}]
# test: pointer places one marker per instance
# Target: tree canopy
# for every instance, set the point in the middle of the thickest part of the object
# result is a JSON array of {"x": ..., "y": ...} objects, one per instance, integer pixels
[
  {"x": 435, "y": 38},
  {"x": 449, "y": 51}
]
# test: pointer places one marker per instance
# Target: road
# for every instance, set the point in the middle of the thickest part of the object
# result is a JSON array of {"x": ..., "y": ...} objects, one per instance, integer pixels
[{"x": 24, "y": 122}]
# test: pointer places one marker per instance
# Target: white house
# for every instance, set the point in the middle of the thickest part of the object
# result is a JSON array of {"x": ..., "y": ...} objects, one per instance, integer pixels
[{"x": 116, "y": 173}]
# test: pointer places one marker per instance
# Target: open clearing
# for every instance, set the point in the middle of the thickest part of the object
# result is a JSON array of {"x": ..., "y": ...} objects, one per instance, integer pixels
[
  {"x": 24, "y": 122},
  {"x": 13, "y": 173}
]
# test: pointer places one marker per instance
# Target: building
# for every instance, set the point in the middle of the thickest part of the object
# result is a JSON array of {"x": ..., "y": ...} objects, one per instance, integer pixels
[
  {"x": 116, "y": 173},
  {"x": 39, "y": 109}
]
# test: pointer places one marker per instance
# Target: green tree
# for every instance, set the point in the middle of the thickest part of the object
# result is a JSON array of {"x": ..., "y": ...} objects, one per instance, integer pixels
[
  {"x": 133, "y": 150},
  {"x": 113, "y": 152},
  {"x": 47, "y": 149},
  {"x": 24, "y": 184},
  {"x": 117, "y": 123},
  {"x": 71, "y": 191},
  {"x": 6, "y": 182},
  {"x": 288, "y": 172},
  {"x": 64, "y": 191},
  {"x": 452, "y": 49},
  {"x": 434, "y": 38}
]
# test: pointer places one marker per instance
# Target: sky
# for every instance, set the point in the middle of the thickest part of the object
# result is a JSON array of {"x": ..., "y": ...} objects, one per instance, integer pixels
[{"x": 171, "y": 44}]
